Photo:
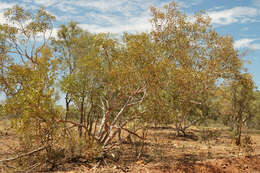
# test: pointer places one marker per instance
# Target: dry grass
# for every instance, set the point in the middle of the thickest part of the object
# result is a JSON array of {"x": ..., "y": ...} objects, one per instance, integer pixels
[{"x": 163, "y": 151}]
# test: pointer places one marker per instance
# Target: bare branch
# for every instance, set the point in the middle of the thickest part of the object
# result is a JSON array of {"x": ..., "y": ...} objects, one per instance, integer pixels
[
  {"x": 191, "y": 101},
  {"x": 25, "y": 154},
  {"x": 79, "y": 125},
  {"x": 139, "y": 101},
  {"x": 132, "y": 133},
  {"x": 121, "y": 111}
]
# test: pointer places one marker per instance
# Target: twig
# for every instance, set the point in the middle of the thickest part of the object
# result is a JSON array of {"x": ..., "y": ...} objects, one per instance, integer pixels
[
  {"x": 33, "y": 167},
  {"x": 79, "y": 125},
  {"x": 8, "y": 166},
  {"x": 106, "y": 149},
  {"x": 132, "y": 133},
  {"x": 25, "y": 154}
]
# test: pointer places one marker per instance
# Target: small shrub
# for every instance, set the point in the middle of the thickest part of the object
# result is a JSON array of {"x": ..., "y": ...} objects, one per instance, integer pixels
[
  {"x": 247, "y": 145},
  {"x": 206, "y": 135}
]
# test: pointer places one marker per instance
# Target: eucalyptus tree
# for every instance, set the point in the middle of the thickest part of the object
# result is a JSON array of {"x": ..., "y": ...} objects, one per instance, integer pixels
[
  {"x": 106, "y": 81},
  {"x": 170, "y": 74},
  {"x": 28, "y": 72},
  {"x": 65, "y": 46},
  {"x": 198, "y": 58},
  {"x": 237, "y": 103}
]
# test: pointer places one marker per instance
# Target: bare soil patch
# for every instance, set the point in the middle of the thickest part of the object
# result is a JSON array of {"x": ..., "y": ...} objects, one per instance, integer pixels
[{"x": 163, "y": 151}]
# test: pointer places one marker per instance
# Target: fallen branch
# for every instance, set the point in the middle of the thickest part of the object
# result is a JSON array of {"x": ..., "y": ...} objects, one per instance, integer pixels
[
  {"x": 25, "y": 154},
  {"x": 132, "y": 133},
  {"x": 30, "y": 168},
  {"x": 8, "y": 166}
]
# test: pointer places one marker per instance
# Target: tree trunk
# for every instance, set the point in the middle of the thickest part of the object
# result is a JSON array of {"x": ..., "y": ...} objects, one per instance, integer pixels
[
  {"x": 81, "y": 115},
  {"x": 238, "y": 132},
  {"x": 67, "y": 107}
]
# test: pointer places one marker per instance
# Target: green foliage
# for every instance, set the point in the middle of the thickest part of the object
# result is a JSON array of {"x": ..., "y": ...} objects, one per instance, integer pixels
[
  {"x": 28, "y": 75},
  {"x": 182, "y": 72},
  {"x": 194, "y": 58},
  {"x": 255, "y": 120},
  {"x": 238, "y": 103}
]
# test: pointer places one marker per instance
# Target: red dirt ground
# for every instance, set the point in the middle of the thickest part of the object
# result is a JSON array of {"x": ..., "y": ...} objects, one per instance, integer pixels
[{"x": 163, "y": 152}]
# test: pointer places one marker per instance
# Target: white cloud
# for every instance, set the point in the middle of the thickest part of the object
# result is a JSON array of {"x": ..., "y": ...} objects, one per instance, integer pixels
[
  {"x": 234, "y": 15},
  {"x": 216, "y": 8},
  {"x": 141, "y": 24},
  {"x": 52, "y": 33},
  {"x": 115, "y": 16},
  {"x": 243, "y": 43},
  {"x": 120, "y": 7},
  {"x": 256, "y": 3},
  {"x": 247, "y": 43},
  {"x": 65, "y": 7},
  {"x": 255, "y": 46},
  {"x": 46, "y": 3},
  {"x": 102, "y": 5},
  {"x": 4, "y": 5},
  {"x": 2, "y": 19},
  {"x": 186, "y": 3}
]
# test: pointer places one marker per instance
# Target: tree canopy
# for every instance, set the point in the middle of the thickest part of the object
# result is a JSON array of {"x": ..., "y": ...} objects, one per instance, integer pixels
[{"x": 181, "y": 73}]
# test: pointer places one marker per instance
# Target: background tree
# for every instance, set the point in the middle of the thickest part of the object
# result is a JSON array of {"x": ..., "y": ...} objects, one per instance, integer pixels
[
  {"x": 255, "y": 121},
  {"x": 242, "y": 97},
  {"x": 65, "y": 50},
  {"x": 198, "y": 58}
]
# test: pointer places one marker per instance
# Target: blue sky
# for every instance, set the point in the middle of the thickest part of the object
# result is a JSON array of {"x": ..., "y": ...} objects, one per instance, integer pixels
[{"x": 238, "y": 18}]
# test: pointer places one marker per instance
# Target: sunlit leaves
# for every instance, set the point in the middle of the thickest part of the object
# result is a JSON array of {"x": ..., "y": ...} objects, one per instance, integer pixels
[
  {"x": 198, "y": 59},
  {"x": 174, "y": 74}
]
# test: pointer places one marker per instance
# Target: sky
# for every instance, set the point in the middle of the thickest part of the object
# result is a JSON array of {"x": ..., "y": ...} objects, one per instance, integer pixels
[{"x": 238, "y": 18}]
